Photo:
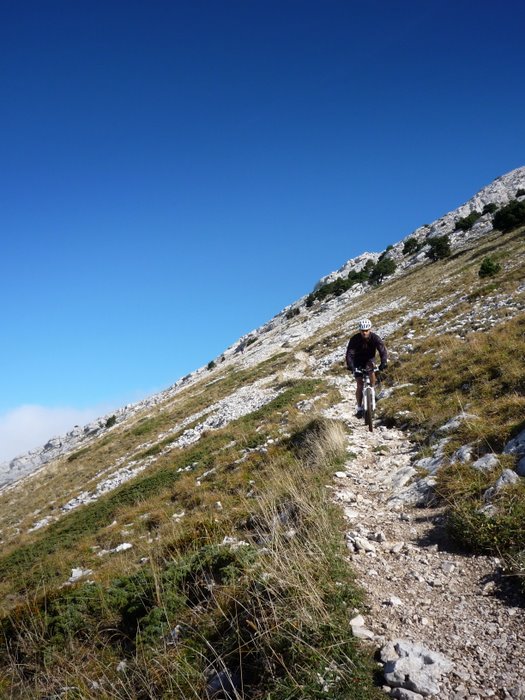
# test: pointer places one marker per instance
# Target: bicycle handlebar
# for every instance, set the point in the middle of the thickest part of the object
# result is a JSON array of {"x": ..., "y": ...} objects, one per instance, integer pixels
[{"x": 364, "y": 370}]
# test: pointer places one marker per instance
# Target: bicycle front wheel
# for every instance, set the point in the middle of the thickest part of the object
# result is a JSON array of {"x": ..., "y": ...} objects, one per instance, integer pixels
[{"x": 369, "y": 409}]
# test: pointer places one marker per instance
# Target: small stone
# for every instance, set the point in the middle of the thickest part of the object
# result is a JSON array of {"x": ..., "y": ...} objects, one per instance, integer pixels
[
  {"x": 357, "y": 621},
  {"x": 364, "y": 545},
  {"x": 362, "y": 633},
  {"x": 123, "y": 547},
  {"x": 77, "y": 574},
  {"x": 394, "y": 601}
]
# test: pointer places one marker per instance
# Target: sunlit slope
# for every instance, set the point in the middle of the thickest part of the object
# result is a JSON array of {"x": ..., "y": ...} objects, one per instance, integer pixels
[{"x": 184, "y": 538}]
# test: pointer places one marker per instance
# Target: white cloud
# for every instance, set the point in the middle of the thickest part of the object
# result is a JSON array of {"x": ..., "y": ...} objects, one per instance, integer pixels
[{"x": 27, "y": 427}]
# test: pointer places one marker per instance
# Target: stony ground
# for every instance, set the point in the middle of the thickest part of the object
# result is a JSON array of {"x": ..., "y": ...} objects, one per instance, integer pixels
[{"x": 418, "y": 587}]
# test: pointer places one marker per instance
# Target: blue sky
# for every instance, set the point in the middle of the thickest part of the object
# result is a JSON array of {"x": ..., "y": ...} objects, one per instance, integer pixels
[{"x": 174, "y": 173}]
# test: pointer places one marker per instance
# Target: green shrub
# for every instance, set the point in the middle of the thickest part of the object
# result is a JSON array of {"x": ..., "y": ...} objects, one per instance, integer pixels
[
  {"x": 211, "y": 365},
  {"x": 490, "y": 208},
  {"x": 291, "y": 313},
  {"x": 384, "y": 268},
  {"x": 385, "y": 252},
  {"x": 411, "y": 246},
  {"x": 510, "y": 216},
  {"x": 439, "y": 248},
  {"x": 355, "y": 277},
  {"x": 111, "y": 421},
  {"x": 341, "y": 285},
  {"x": 489, "y": 267},
  {"x": 467, "y": 222},
  {"x": 520, "y": 192}
]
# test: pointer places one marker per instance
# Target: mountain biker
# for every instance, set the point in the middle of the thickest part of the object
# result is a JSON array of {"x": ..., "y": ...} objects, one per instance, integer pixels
[{"x": 360, "y": 354}]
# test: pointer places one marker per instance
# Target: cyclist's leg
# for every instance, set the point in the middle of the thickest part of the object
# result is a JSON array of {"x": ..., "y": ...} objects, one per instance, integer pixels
[
  {"x": 359, "y": 391},
  {"x": 371, "y": 373}
]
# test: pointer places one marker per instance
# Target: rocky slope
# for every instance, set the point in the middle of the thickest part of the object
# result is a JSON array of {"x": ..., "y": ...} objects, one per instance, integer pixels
[{"x": 283, "y": 330}]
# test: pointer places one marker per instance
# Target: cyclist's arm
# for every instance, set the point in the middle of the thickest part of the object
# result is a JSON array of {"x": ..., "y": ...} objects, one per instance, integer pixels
[
  {"x": 381, "y": 348},
  {"x": 350, "y": 357}
]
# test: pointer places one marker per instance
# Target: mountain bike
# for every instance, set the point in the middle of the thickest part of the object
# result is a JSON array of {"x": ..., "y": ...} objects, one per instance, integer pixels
[{"x": 369, "y": 396}]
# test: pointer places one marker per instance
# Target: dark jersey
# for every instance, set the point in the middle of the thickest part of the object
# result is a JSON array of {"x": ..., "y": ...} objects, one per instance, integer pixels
[{"x": 361, "y": 350}]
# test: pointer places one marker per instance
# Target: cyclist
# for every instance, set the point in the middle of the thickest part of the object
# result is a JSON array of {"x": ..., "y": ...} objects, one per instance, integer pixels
[{"x": 360, "y": 354}]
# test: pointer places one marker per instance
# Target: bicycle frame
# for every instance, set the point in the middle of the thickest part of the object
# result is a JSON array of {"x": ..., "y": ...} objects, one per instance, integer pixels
[{"x": 369, "y": 396}]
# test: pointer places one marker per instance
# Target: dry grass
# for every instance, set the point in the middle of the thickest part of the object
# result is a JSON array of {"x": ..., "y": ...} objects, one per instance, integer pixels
[{"x": 272, "y": 613}]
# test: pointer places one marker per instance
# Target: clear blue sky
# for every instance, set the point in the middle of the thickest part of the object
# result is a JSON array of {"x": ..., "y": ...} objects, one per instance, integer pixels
[{"x": 175, "y": 173}]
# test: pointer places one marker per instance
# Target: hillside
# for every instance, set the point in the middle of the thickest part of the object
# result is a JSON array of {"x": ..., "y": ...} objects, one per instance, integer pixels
[{"x": 219, "y": 538}]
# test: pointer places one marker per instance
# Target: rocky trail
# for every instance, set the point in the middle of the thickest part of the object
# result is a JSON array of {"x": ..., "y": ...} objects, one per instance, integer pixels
[{"x": 445, "y": 623}]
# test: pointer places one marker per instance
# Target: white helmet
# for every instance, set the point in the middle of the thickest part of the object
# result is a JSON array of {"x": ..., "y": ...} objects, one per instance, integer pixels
[{"x": 365, "y": 324}]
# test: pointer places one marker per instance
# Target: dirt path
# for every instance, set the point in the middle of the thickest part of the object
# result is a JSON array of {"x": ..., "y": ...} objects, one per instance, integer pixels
[{"x": 418, "y": 588}]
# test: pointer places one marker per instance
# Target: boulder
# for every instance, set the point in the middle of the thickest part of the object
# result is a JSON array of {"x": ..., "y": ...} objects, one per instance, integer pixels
[
  {"x": 463, "y": 454},
  {"x": 413, "y": 667},
  {"x": 507, "y": 478},
  {"x": 419, "y": 493},
  {"x": 486, "y": 463}
]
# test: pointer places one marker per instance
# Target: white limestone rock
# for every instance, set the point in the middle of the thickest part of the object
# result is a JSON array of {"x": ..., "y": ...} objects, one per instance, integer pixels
[
  {"x": 414, "y": 667},
  {"x": 506, "y": 479},
  {"x": 486, "y": 463}
]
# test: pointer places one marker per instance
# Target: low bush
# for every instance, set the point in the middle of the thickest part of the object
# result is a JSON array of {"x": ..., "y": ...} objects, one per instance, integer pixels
[
  {"x": 411, "y": 246},
  {"x": 383, "y": 268},
  {"x": 510, "y": 216},
  {"x": 489, "y": 267},
  {"x": 467, "y": 222},
  {"x": 439, "y": 248},
  {"x": 341, "y": 285},
  {"x": 385, "y": 252}
]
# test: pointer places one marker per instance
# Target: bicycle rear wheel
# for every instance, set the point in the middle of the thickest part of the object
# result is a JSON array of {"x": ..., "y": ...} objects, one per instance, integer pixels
[{"x": 369, "y": 410}]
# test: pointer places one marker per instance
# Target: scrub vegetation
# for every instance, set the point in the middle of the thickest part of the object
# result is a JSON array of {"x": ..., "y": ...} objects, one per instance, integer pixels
[{"x": 241, "y": 581}]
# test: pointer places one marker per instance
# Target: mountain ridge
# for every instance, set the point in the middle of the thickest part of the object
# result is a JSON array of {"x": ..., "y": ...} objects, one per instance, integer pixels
[{"x": 499, "y": 192}]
